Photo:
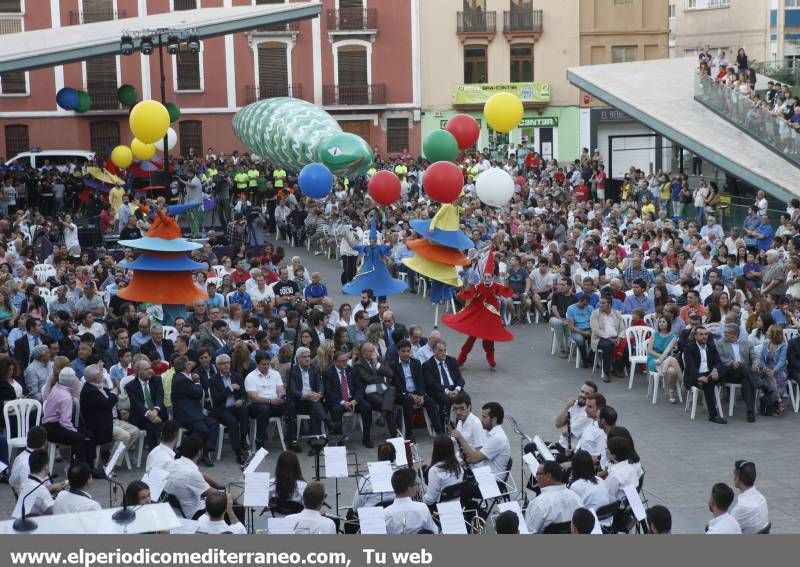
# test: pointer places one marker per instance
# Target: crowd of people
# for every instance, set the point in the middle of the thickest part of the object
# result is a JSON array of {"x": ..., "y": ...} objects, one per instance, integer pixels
[{"x": 270, "y": 346}]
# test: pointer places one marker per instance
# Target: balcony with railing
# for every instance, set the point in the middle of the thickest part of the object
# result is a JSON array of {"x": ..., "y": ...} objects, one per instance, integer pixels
[
  {"x": 353, "y": 21},
  {"x": 353, "y": 95},
  {"x": 518, "y": 23},
  {"x": 91, "y": 16},
  {"x": 291, "y": 27},
  {"x": 260, "y": 92},
  {"x": 751, "y": 116},
  {"x": 476, "y": 24},
  {"x": 104, "y": 97}
]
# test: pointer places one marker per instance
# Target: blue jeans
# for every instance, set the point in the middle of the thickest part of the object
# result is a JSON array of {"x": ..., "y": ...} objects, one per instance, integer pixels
[{"x": 583, "y": 346}]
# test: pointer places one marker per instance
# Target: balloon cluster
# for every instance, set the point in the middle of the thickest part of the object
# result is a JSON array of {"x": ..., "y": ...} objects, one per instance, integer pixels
[
  {"x": 72, "y": 99},
  {"x": 149, "y": 121}
]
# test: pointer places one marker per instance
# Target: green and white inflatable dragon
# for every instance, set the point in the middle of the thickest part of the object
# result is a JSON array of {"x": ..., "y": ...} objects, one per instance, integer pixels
[{"x": 293, "y": 133}]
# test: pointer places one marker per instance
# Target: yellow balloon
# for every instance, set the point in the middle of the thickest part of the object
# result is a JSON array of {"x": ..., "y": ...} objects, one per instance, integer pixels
[
  {"x": 503, "y": 112},
  {"x": 121, "y": 156},
  {"x": 142, "y": 150},
  {"x": 149, "y": 121}
]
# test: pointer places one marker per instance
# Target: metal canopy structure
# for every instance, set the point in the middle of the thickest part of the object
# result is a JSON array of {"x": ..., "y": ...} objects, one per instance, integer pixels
[
  {"x": 660, "y": 95},
  {"x": 25, "y": 51}
]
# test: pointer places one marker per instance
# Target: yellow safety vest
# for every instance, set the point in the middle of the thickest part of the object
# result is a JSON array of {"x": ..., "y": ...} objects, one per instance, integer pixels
[
  {"x": 241, "y": 179},
  {"x": 253, "y": 176},
  {"x": 279, "y": 175}
]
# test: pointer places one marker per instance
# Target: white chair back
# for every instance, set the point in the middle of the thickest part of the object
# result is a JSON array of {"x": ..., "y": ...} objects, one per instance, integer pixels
[
  {"x": 651, "y": 320},
  {"x": 700, "y": 272},
  {"x": 637, "y": 342},
  {"x": 170, "y": 333},
  {"x": 43, "y": 271},
  {"x": 21, "y": 410},
  {"x": 627, "y": 320},
  {"x": 789, "y": 333}
]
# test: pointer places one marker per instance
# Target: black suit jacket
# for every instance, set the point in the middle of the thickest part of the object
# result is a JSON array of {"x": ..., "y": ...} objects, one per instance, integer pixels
[
  {"x": 166, "y": 345},
  {"x": 333, "y": 387},
  {"x": 433, "y": 381},
  {"x": 22, "y": 351},
  {"x": 416, "y": 375},
  {"x": 187, "y": 399},
  {"x": 793, "y": 358},
  {"x": 219, "y": 393},
  {"x": 136, "y": 397},
  {"x": 295, "y": 382},
  {"x": 691, "y": 361},
  {"x": 97, "y": 412},
  {"x": 364, "y": 375},
  {"x": 387, "y": 334}
]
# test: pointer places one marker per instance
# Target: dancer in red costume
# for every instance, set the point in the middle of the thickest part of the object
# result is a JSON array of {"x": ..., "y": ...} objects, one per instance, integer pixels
[{"x": 480, "y": 317}]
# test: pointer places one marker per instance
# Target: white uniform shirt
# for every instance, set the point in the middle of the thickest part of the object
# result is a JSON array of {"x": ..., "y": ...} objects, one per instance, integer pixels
[
  {"x": 497, "y": 451},
  {"x": 312, "y": 522},
  {"x": 439, "y": 479},
  {"x": 472, "y": 430},
  {"x": 750, "y": 510},
  {"x": 67, "y": 502},
  {"x": 20, "y": 470},
  {"x": 593, "y": 495},
  {"x": 593, "y": 440},
  {"x": 161, "y": 457},
  {"x": 554, "y": 505},
  {"x": 405, "y": 516},
  {"x": 206, "y": 525},
  {"x": 37, "y": 503},
  {"x": 265, "y": 386},
  {"x": 578, "y": 421},
  {"x": 724, "y": 524},
  {"x": 188, "y": 485},
  {"x": 620, "y": 475}
]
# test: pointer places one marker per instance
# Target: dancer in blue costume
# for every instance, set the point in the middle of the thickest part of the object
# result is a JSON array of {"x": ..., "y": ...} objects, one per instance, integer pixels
[{"x": 373, "y": 273}]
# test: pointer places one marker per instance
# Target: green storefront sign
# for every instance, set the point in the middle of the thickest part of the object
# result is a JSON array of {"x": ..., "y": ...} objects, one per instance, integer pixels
[{"x": 536, "y": 91}]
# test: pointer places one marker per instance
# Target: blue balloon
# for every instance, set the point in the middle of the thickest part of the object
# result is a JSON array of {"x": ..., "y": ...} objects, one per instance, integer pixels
[
  {"x": 67, "y": 98},
  {"x": 315, "y": 180}
]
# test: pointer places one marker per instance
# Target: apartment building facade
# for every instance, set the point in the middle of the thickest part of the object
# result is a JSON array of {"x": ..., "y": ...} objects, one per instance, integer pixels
[{"x": 357, "y": 61}]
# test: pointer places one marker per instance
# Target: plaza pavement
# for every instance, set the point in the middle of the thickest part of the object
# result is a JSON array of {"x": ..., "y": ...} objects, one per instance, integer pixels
[{"x": 682, "y": 458}]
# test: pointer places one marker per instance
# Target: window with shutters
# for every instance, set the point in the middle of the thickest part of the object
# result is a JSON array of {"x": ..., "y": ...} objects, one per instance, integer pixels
[
  {"x": 353, "y": 75},
  {"x": 101, "y": 82},
  {"x": 14, "y": 82},
  {"x": 474, "y": 64},
  {"x": 521, "y": 63},
  {"x": 103, "y": 136},
  {"x": 184, "y": 5},
  {"x": 16, "y": 139},
  {"x": 188, "y": 73},
  {"x": 273, "y": 72},
  {"x": 191, "y": 136},
  {"x": 396, "y": 135},
  {"x": 97, "y": 11}
]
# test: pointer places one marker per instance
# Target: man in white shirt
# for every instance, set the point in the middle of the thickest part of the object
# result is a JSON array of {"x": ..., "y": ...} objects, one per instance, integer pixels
[
  {"x": 555, "y": 504},
  {"x": 163, "y": 455},
  {"x": 311, "y": 520},
  {"x": 187, "y": 483},
  {"x": 266, "y": 393},
  {"x": 405, "y": 515},
  {"x": 39, "y": 501},
  {"x": 496, "y": 449},
  {"x": 261, "y": 291},
  {"x": 367, "y": 304},
  {"x": 77, "y": 498},
  {"x": 593, "y": 439},
  {"x": 750, "y": 509},
  {"x": 218, "y": 507},
  {"x": 424, "y": 353},
  {"x": 573, "y": 417},
  {"x": 467, "y": 422},
  {"x": 719, "y": 503},
  {"x": 36, "y": 439}
]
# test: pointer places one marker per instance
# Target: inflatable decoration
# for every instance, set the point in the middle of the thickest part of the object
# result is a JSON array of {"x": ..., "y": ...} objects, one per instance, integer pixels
[
  {"x": 373, "y": 273},
  {"x": 127, "y": 95},
  {"x": 84, "y": 102},
  {"x": 173, "y": 110},
  {"x": 121, "y": 156},
  {"x": 293, "y": 133},
  {"x": 494, "y": 187},
  {"x": 163, "y": 272},
  {"x": 172, "y": 140},
  {"x": 67, "y": 98},
  {"x": 315, "y": 181},
  {"x": 141, "y": 150},
  {"x": 443, "y": 182},
  {"x": 464, "y": 129},
  {"x": 149, "y": 121},
  {"x": 440, "y": 145},
  {"x": 503, "y": 112},
  {"x": 384, "y": 188}
]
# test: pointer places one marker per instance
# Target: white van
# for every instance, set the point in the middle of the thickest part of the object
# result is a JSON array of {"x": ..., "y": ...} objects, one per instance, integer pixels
[{"x": 58, "y": 158}]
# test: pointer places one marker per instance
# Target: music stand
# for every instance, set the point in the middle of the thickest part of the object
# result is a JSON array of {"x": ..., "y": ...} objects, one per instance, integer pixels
[
  {"x": 338, "y": 493},
  {"x": 523, "y": 437}
]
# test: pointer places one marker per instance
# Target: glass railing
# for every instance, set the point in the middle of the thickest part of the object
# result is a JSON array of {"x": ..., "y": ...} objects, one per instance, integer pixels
[{"x": 751, "y": 116}]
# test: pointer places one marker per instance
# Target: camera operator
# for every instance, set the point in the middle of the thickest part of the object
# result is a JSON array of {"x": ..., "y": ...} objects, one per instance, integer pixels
[
  {"x": 237, "y": 230},
  {"x": 221, "y": 186}
]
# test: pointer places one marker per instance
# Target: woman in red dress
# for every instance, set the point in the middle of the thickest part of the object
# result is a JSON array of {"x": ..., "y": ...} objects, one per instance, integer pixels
[{"x": 480, "y": 317}]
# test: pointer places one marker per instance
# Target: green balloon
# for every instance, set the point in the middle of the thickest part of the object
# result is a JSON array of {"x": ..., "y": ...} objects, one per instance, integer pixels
[
  {"x": 127, "y": 95},
  {"x": 84, "y": 102},
  {"x": 440, "y": 145},
  {"x": 174, "y": 111}
]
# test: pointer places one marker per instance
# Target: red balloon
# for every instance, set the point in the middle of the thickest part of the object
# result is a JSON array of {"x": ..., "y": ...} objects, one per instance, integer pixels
[
  {"x": 443, "y": 181},
  {"x": 384, "y": 188},
  {"x": 464, "y": 129}
]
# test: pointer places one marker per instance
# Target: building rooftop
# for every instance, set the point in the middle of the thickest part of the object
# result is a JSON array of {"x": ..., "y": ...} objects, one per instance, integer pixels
[{"x": 660, "y": 95}]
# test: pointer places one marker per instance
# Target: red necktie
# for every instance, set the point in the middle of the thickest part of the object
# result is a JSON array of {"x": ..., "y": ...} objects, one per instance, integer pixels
[{"x": 345, "y": 389}]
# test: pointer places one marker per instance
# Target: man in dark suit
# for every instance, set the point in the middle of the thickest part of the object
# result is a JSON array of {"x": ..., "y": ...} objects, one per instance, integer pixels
[
  {"x": 229, "y": 404},
  {"x": 443, "y": 380},
  {"x": 398, "y": 334},
  {"x": 702, "y": 366},
  {"x": 110, "y": 352},
  {"x": 341, "y": 395},
  {"x": 97, "y": 406},
  {"x": 736, "y": 356},
  {"x": 216, "y": 341},
  {"x": 146, "y": 395},
  {"x": 410, "y": 389},
  {"x": 306, "y": 392},
  {"x": 373, "y": 382},
  {"x": 23, "y": 346},
  {"x": 389, "y": 328},
  {"x": 159, "y": 344},
  {"x": 187, "y": 407}
]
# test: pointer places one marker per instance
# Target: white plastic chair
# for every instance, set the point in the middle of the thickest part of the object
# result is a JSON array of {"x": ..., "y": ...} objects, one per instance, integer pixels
[
  {"x": 789, "y": 333},
  {"x": 700, "y": 272},
  {"x": 170, "y": 333},
  {"x": 626, "y": 319},
  {"x": 301, "y": 417},
  {"x": 794, "y": 394},
  {"x": 277, "y": 422},
  {"x": 220, "y": 440},
  {"x": 21, "y": 411},
  {"x": 637, "y": 338},
  {"x": 43, "y": 271},
  {"x": 651, "y": 320},
  {"x": 692, "y": 396}
]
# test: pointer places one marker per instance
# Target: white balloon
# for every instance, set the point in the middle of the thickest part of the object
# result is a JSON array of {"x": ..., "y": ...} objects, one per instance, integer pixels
[
  {"x": 494, "y": 187},
  {"x": 172, "y": 140}
]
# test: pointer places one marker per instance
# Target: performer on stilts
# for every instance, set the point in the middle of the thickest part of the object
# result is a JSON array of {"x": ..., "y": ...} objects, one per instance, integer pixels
[{"x": 480, "y": 317}]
